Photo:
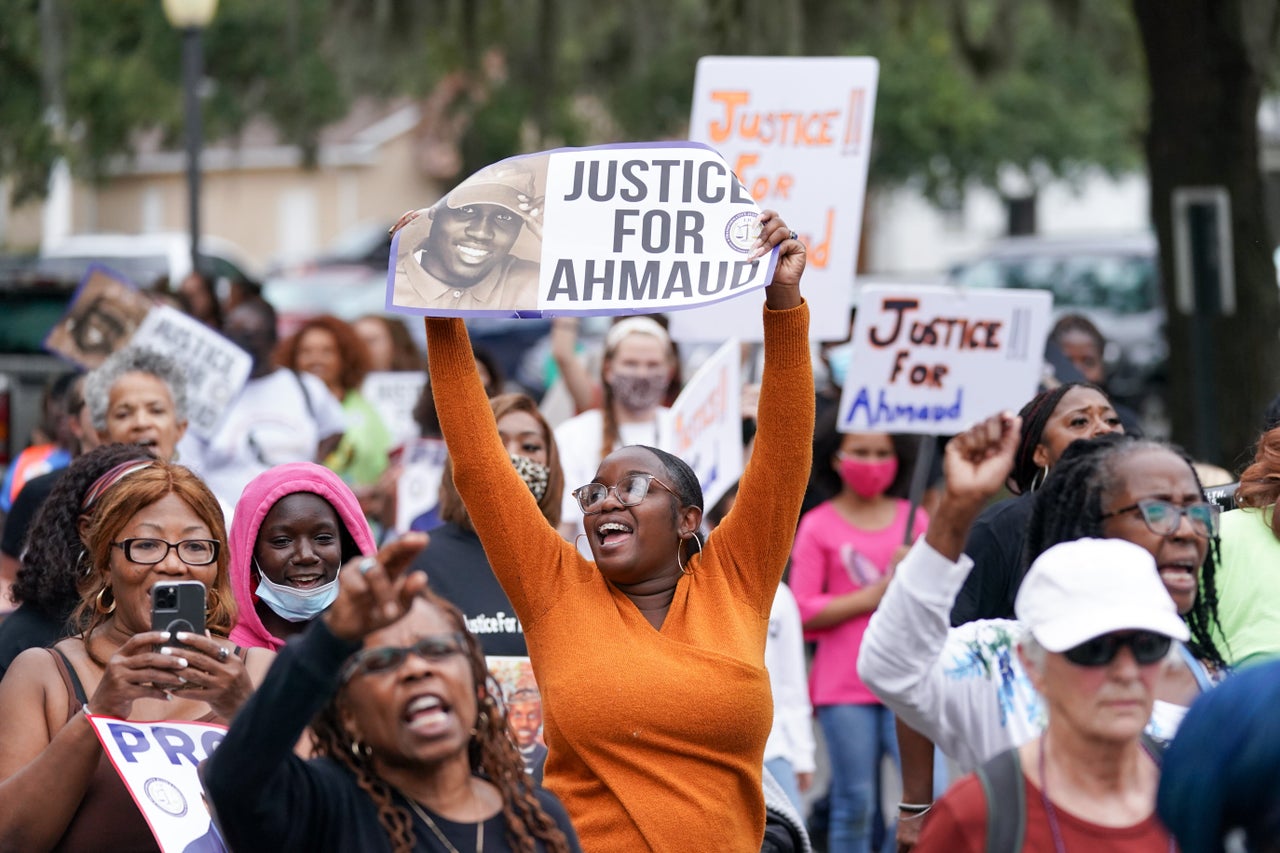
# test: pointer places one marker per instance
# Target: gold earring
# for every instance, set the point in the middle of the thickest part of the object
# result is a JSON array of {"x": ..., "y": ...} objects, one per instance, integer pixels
[{"x": 97, "y": 602}]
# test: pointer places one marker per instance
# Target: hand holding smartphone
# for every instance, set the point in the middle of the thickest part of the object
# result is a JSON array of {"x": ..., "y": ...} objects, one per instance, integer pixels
[{"x": 178, "y": 606}]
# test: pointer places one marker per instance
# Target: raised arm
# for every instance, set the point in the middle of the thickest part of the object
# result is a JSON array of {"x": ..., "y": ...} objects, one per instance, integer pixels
[
  {"x": 758, "y": 531},
  {"x": 902, "y": 655},
  {"x": 523, "y": 549}
]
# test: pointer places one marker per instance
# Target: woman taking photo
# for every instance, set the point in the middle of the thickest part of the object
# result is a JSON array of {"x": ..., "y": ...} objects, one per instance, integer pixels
[
  {"x": 411, "y": 748},
  {"x": 155, "y": 522},
  {"x": 649, "y": 658},
  {"x": 293, "y": 528}
]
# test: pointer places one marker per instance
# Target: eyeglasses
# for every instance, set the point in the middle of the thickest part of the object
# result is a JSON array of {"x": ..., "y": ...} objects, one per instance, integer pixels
[
  {"x": 1148, "y": 647},
  {"x": 1162, "y": 517},
  {"x": 433, "y": 648},
  {"x": 630, "y": 490},
  {"x": 148, "y": 552}
]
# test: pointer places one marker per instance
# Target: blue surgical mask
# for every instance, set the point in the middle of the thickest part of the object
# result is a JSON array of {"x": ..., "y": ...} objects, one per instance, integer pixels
[
  {"x": 296, "y": 605},
  {"x": 838, "y": 363}
]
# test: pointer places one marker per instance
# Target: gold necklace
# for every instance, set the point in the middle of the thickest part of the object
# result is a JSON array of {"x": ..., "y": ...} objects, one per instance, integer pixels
[{"x": 431, "y": 824}]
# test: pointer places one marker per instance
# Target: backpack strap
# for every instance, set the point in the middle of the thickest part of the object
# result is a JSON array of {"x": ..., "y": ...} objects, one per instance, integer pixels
[{"x": 1006, "y": 795}]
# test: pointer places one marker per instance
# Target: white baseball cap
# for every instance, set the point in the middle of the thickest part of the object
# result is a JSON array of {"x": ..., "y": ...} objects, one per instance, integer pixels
[{"x": 1079, "y": 590}]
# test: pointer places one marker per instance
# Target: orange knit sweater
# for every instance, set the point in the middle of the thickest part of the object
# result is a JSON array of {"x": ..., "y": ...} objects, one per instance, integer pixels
[{"x": 655, "y": 738}]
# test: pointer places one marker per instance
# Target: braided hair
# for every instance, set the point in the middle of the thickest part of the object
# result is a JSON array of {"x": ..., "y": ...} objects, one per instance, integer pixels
[
  {"x": 493, "y": 756},
  {"x": 1035, "y": 416},
  {"x": 1069, "y": 506}
]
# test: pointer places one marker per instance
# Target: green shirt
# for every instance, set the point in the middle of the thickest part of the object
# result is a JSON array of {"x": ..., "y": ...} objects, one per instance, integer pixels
[
  {"x": 361, "y": 456},
  {"x": 1248, "y": 584}
]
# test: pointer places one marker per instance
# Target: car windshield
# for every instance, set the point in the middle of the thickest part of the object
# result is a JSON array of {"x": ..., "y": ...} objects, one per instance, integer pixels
[{"x": 1122, "y": 284}]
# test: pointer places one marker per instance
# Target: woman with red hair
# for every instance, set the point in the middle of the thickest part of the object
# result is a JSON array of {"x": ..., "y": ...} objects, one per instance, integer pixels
[{"x": 330, "y": 349}]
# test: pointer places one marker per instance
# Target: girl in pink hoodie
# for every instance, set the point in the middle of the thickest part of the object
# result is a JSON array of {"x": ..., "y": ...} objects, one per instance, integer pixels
[{"x": 294, "y": 526}]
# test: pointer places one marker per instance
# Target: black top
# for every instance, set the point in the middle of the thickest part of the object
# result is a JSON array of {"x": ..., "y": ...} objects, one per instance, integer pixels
[
  {"x": 26, "y": 628},
  {"x": 268, "y": 799},
  {"x": 31, "y": 498},
  {"x": 457, "y": 569},
  {"x": 995, "y": 544}
]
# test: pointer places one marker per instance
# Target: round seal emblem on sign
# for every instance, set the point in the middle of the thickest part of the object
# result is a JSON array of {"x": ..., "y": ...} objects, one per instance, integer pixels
[
  {"x": 166, "y": 796},
  {"x": 742, "y": 230}
]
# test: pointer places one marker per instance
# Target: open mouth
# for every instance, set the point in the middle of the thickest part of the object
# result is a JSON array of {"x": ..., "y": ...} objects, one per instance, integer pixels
[
  {"x": 472, "y": 254},
  {"x": 1179, "y": 577},
  {"x": 306, "y": 581},
  {"x": 613, "y": 533},
  {"x": 427, "y": 715}
]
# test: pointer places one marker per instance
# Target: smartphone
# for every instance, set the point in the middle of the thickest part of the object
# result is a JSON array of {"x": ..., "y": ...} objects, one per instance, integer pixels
[{"x": 178, "y": 606}]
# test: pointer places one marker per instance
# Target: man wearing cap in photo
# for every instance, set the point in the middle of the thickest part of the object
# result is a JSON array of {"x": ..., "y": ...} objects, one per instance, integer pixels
[
  {"x": 1099, "y": 627},
  {"x": 458, "y": 256}
]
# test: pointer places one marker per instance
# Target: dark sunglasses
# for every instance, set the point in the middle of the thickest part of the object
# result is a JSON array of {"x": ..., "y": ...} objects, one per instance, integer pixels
[
  {"x": 1163, "y": 518},
  {"x": 434, "y": 648},
  {"x": 1148, "y": 647}
]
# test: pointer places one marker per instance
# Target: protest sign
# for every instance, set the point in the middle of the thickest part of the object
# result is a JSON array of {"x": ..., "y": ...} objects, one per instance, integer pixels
[
  {"x": 418, "y": 489},
  {"x": 704, "y": 425},
  {"x": 935, "y": 360},
  {"x": 216, "y": 369},
  {"x": 614, "y": 229},
  {"x": 523, "y": 701},
  {"x": 157, "y": 762},
  {"x": 104, "y": 312},
  {"x": 797, "y": 133},
  {"x": 393, "y": 394}
]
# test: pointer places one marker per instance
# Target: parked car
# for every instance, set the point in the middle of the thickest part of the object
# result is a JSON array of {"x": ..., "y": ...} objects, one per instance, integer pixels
[
  {"x": 1114, "y": 281},
  {"x": 146, "y": 259}
]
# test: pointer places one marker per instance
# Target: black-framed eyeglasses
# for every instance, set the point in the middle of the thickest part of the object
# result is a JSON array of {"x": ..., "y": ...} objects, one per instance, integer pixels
[
  {"x": 630, "y": 490},
  {"x": 1148, "y": 647},
  {"x": 1162, "y": 517},
  {"x": 148, "y": 552},
  {"x": 434, "y": 648}
]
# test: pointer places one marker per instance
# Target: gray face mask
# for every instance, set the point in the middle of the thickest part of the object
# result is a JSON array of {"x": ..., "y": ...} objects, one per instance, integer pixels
[
  {"x": 638, "y": 392},
  {"x": 535, "y": 475}
]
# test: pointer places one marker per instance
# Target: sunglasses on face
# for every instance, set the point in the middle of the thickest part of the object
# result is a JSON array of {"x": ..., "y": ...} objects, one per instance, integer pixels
[
  {"x": 1162, "y": 517},
  {"x": 1148, "y": 647},
  {"x": 630, "y": 490},
  {"x": 434, "y": 648},
  {"x": 147, "y": 552}
]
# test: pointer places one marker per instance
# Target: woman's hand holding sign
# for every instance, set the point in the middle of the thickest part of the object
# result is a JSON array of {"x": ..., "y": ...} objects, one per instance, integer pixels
[{"x": 784, "y": 291}]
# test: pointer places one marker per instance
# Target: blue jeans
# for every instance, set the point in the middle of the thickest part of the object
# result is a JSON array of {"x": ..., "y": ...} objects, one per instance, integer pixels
[
  {"x": 858, "y": 737},
  {"x": 785, "y": 776}
]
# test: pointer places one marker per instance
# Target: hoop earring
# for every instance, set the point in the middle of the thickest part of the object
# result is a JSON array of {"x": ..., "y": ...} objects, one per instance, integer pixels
[
  {"x": 684, "y": 569},
  {"x": 360, "y": 750},
  {"x": 1038, "y": 480},
  {"x": 97, "y": 602},
  {"x": 575, "y": 542}
]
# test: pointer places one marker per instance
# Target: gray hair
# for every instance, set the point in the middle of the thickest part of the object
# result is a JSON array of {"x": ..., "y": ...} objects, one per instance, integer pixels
[{"x": 99, "y": 382}]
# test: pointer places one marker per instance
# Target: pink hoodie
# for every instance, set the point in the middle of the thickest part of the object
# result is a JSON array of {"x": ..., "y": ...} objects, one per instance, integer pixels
[{"x": 255, "y": 502}]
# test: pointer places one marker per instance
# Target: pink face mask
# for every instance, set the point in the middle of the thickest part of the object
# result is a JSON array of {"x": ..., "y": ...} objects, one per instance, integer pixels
[{"x": 868, "y": 479}]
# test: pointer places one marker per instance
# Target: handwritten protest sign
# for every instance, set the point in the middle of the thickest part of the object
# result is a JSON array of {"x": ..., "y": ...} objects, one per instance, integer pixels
[
  {"x": 158, "y": 762},
  {"x": 797, "y": 132},
  {"x": 393, "y": 394},
  {"x": 614, "y": 229},
  {"x": 418, "y": 489},
  {"x": 935, "y": 360},
  {"x": 216, "y": 369},
  {"x": 104, "y": 312},
  {"x": 523, "y": 702},
  {"x": 704, "y": 425}
]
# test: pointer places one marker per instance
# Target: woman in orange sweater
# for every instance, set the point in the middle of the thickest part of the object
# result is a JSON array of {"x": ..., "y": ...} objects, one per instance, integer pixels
[{"x": 650, "y": 659}]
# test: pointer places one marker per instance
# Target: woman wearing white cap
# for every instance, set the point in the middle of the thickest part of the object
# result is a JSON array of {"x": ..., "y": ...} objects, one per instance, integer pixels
[
  {"x": 965, "y": 688},
  {"x": 1099, "y": 626}
]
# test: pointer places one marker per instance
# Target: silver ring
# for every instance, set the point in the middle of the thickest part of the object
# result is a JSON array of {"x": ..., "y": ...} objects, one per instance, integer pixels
[
  {"x": 795, "y": 236},
  {"x": 223, "y": 654},
  {"x": 366, "y": 564}
]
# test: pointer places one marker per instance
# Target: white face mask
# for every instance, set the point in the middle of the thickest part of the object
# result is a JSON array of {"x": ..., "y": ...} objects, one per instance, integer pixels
[{"x": 296, "y": 605}]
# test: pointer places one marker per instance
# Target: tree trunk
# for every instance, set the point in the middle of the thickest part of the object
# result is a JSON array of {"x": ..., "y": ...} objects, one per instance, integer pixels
[{"x": 1206, "y": 61}]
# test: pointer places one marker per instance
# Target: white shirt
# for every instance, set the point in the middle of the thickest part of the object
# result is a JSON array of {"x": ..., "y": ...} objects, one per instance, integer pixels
[{"x": 792, "y": 734}]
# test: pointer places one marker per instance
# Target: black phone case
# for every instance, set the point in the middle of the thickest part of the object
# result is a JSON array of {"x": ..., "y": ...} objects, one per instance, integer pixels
[{"x": 183, "y": 610}]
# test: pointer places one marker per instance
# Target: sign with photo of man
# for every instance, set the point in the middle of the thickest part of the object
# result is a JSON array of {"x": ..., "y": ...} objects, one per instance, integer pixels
[{"x": 613, "y": 229}]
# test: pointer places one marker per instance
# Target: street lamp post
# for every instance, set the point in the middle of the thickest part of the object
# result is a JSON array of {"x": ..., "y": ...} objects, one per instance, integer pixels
[{"x": 191, "y": 17}]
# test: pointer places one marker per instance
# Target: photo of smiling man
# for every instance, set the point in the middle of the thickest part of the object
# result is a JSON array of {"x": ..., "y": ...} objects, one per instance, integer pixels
[{"x": 458, "y": 255}]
